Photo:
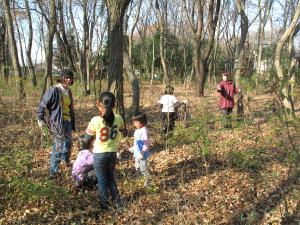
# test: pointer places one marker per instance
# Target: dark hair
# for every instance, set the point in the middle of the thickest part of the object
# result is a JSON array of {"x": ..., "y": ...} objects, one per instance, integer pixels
[
  {"x": 141, "y": 117},
  {"x": 107, "y": 100},
  {"x": 225, "y": 73},
  {"x": 83, "y": 143},
  {"x": 169, "y": 90},
  {"x": 66, "y": 73}
]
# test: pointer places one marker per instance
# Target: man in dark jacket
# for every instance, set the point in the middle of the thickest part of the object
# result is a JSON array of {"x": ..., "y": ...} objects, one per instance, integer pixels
[
  {"x": 59, "y": 103},
  {"x": 227, "y": 89}
]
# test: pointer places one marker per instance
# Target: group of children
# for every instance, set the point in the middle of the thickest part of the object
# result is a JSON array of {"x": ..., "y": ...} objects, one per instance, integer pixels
[{"x": 103, "y": 133}]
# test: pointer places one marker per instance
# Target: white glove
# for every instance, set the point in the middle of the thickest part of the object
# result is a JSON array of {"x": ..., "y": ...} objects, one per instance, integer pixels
[
  {"x": 184, "y": 101},
  {"x": 131, "y": 149},
  {"x": 41, "y": 124}
]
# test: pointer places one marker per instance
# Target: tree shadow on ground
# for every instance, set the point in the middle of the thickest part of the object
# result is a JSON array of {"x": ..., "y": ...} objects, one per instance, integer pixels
[
  {"x": 186, "y": 171},
  {"x": 266, "y": 204},
  {"x": 294, "y": 218}
]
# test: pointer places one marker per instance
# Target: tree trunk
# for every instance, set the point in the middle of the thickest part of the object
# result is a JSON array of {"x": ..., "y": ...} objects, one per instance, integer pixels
[
  {"x": 64, "y": 36},
  {"x": 14, "y": 51},
  {"x": 133, "y": 28},
  {"x": 23, "y": 68},
  {"x": 240, "y": 4},
  {"x": 283, "y": 78},
  {"x": 3, "y": 56},
  {"x": 116, "y": 10},
  {"x": 29, "y": 46},
  {"x": 161, "y": 14},
  {"x": 134, "y": 82},
  {"x": 49, "y": 49},
  {"x": 201, "y": 61}
]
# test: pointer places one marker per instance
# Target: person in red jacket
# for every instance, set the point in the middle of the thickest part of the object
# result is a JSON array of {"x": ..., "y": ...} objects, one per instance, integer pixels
[{"x": 227, "y": 89}]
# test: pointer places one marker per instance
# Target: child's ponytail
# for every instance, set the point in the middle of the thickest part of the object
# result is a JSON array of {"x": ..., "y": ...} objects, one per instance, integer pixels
[{"x": 108, "y": 102}]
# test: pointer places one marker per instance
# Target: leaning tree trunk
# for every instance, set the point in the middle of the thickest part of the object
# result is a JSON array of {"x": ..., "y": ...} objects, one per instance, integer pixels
[
  {"x": 283, "y": 79},
  {"x": 14, "y": 51},
  {"x": 212, "y": 24}
]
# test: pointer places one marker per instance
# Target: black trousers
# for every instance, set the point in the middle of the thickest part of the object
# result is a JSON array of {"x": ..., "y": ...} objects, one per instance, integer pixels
[{"x": 168, "y": 121}]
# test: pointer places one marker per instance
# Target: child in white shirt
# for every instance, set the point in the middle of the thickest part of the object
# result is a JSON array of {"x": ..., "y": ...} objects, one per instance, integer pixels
[
  {"x": 169, "y": 106},
  {"x": 141, "y": 146}
]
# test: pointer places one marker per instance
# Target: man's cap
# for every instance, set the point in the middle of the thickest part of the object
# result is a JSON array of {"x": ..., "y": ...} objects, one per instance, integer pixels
[{"x": 66, "y": 73}]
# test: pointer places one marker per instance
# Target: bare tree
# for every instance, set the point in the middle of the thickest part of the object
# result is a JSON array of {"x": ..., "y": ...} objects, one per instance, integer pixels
[
  {"x": 128, "y": 65},
  {"x": 14, "y": 51},
  {"x": 68, "y": 53},
  {"x": 51, "y": 22},
  {"x": 4, "y": 54},
  {"x": 264, "y": 12},
  {"x": 29, "y": 45},
  {"x": 285, "y": 90},
  {"x": 240, "y": 4},
  {"x": 200, "y": 59},
  {"x": 116, "y": 10},
  {"x": 161, "y": 12}
]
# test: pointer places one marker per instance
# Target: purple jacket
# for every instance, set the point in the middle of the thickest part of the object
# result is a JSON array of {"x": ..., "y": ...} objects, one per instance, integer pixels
[
  {"x": 227, "y": 91},
  {"x": 83, "y": 164}
]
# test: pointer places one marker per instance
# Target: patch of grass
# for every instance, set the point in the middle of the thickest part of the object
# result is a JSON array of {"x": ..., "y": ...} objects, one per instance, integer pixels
[
  {"x": 247, "y": 161},
  {"x": 28, "y": 190}
]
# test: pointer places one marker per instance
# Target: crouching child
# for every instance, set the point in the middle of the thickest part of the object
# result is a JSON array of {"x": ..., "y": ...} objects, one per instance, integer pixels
[{"x": 83, "y": 168}]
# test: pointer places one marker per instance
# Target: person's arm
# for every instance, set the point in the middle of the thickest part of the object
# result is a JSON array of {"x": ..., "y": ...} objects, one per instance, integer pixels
[
  {"x": 45, "y": 103},
  {"x": 146, "y": 141},
  {"x": 90, "y": 133},
  {"x": 219, "y": 88},
  {"x": 161, "y": 103},
  {"x": 90, "y": 159}
]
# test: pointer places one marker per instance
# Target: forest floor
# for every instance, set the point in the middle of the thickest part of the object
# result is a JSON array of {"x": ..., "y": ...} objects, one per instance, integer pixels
[{"x": 202, "y": 175}]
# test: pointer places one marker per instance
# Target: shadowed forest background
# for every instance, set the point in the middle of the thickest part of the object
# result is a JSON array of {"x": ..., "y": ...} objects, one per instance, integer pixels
[{"x": 203, "y": 174}]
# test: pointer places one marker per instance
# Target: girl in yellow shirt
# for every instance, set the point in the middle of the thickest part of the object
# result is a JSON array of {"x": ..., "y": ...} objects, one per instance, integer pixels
[{"x": 105, "y": 129}]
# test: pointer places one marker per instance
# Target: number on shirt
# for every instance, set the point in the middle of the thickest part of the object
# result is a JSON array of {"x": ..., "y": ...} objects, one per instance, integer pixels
[{"x": 105, "y": 134}]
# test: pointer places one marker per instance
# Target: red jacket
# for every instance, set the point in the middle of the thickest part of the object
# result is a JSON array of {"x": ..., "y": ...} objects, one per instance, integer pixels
[{"x": 227, "y": 90}]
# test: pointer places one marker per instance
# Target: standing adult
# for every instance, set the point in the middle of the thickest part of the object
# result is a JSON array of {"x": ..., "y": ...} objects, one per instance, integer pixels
[
  {"x": 59, "y": 103},
  {"x": 227, "y": 89}
]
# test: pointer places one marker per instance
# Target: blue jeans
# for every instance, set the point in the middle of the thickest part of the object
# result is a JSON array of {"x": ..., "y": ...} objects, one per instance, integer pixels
[
  {"x": 61, "y": 148},
  {"x": 104, "y": 165}
]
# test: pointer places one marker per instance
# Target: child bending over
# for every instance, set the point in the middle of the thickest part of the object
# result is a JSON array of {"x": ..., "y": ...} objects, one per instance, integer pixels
[{"x": 83, "y": 168}]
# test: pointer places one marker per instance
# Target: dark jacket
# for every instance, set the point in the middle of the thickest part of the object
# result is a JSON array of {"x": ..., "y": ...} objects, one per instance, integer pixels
[
  {"x": 227, "y": 92},
  {"x": 52, "y": 101}
]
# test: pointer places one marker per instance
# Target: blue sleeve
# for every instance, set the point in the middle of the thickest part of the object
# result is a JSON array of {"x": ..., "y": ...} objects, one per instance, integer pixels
[{"x": 45, "y": 103}]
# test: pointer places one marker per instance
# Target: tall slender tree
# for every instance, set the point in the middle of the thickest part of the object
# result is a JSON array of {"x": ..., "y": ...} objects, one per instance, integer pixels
[{"x": 14, "y": 51}]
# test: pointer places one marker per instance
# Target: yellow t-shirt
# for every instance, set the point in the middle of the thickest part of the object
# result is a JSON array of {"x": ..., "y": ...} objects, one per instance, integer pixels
[
  {"x": 106, "y": 138},
  {"x": 66, "y": 106}
]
